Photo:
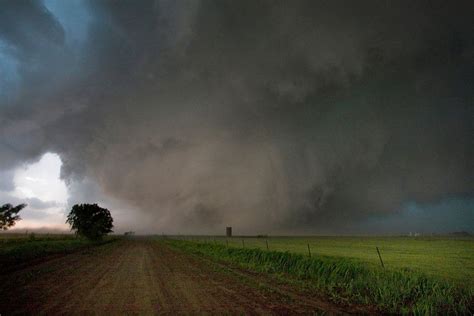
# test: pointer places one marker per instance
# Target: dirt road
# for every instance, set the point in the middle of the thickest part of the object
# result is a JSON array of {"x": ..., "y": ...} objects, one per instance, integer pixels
[{"x": 147, "y": 277}]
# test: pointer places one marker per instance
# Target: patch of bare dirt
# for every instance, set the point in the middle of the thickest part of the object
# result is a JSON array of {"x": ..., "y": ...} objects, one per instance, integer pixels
[{"x": 147, "y": 277}]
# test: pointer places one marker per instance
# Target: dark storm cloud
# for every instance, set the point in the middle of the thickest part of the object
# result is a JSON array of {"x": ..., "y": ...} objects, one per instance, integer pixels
[
  {"x": 32, "y": 203},
  {"x": 6, "y": 181},
  {"x": 266, "y": 115},
  {"x": 39, "y": 204},
  {"x": 26, "y": 26}
]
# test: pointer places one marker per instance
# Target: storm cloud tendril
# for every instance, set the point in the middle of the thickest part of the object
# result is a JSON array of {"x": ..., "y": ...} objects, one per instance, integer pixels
[{"x": 265, "y": 115}]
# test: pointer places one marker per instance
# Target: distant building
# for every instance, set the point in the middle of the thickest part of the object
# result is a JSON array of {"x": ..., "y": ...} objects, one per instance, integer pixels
[{"x": 228, "y": 231}]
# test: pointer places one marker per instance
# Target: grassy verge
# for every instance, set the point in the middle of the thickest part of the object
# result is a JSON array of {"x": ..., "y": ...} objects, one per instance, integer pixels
[
  {"x": 392, "y": 291},
  {"x": 447, "y": 257},
  {"x": 33, "y": 237},
  {"x": 18, "y": 254}
]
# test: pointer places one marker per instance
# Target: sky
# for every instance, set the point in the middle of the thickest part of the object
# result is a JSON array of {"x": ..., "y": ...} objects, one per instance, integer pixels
[
  {"x": 276, "y": 117},
  {"x": 38, "y": 185}
]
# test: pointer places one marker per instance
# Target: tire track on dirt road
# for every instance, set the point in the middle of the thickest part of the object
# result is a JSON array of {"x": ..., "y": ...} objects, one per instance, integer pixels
[{"x": 144, "y": 277}]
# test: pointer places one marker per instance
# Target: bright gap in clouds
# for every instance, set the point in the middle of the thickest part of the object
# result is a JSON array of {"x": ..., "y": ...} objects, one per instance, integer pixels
[{"x": 39, "y": 185}]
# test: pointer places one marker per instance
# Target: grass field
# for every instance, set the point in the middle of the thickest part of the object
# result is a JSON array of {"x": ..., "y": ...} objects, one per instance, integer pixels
[
  {"x": 344, "y": 279},
  {"x": 448, "y": 258},
  {"x": 20, "y": 237},
  {"x": 17, "y": 250}
]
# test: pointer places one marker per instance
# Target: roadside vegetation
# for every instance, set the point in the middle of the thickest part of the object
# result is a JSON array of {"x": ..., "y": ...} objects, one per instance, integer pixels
[
  {"x": 16, "y": 253},
  {"x": 347, "y": 280},
  {"x": 447, "y": 257}
]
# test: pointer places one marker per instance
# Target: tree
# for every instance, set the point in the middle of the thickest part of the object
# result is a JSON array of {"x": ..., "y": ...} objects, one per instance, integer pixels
[
  {"x": 9, "y": 215},
  {"x": 90, "y": 221}
]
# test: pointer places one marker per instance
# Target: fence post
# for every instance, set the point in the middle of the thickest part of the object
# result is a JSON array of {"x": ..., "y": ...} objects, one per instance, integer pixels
[
  {"x": 266, "y": 241},
  {"x": 309, "y": 251},
  {"x": 243, "y": 244},
  {"x": 380, "y": 257}
]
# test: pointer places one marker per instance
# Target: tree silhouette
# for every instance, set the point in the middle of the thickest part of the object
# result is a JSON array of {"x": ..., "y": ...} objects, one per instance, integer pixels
[
  {"x": 90, "y": 221},
  {"x": 9, "y": 215}
]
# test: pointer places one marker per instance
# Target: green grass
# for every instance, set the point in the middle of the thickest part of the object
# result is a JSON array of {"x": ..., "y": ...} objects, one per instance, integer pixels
[
  {"x": 346, "y": 279},
  {"x": 442, "y": 257},
  {"x": 6, "y": 238},
  {"x": 18, "y": 252}
]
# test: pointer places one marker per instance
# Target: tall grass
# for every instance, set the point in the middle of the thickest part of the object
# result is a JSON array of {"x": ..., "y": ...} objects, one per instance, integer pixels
[
  {"x": 393, "y": 291},
  {"x": 447, "y": 257}
]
